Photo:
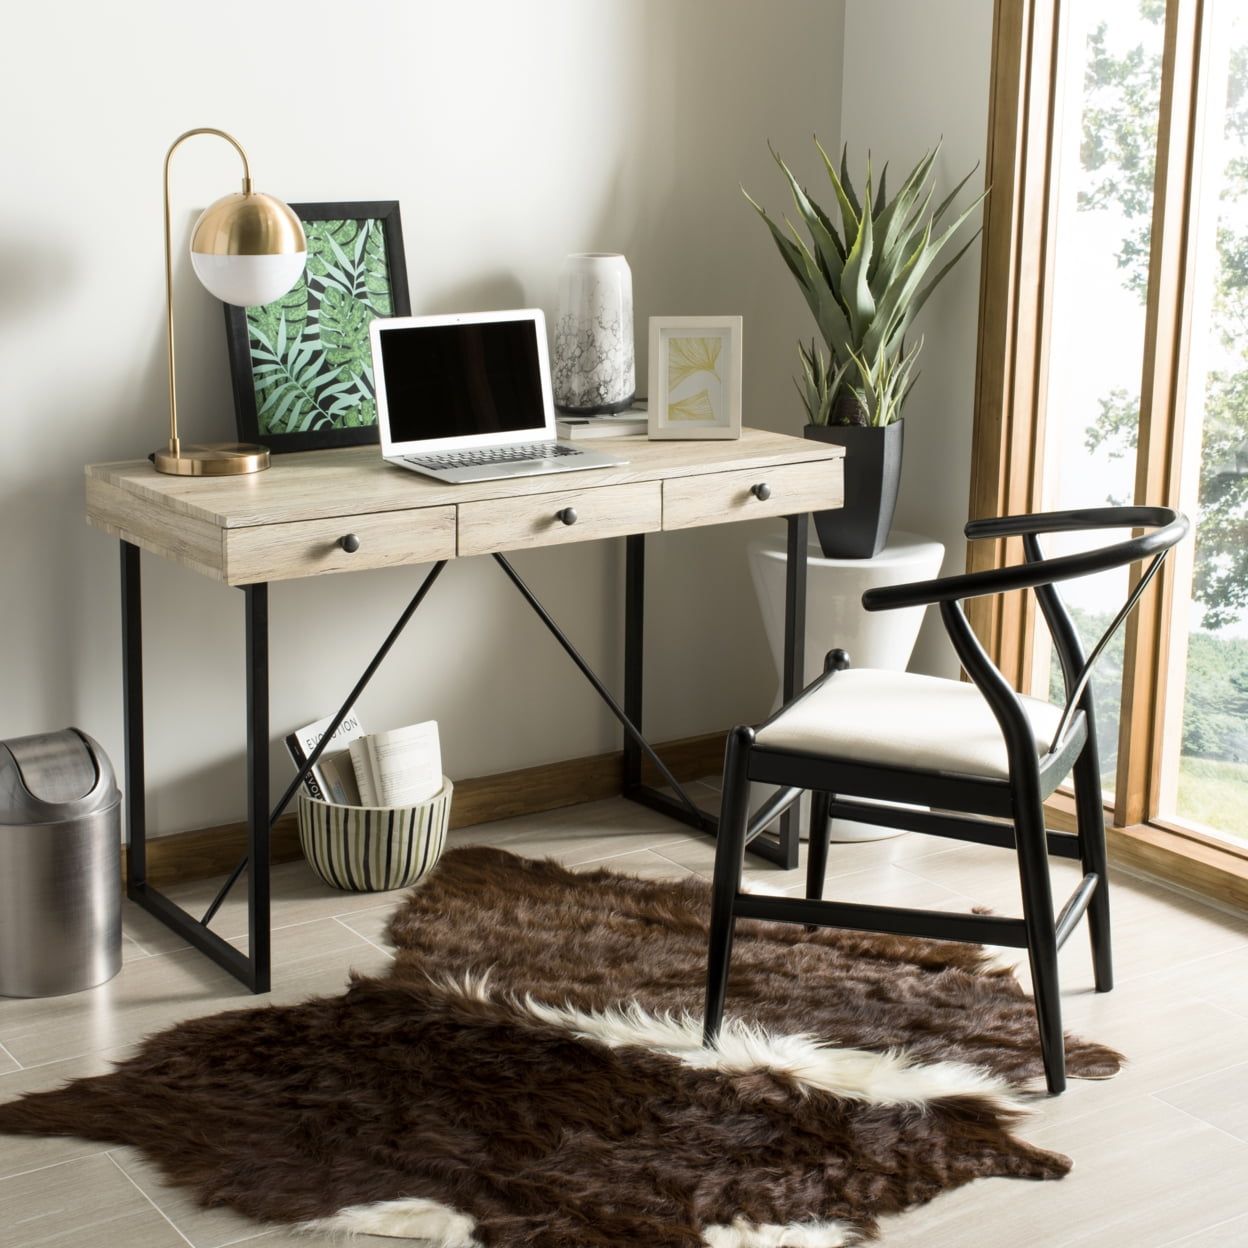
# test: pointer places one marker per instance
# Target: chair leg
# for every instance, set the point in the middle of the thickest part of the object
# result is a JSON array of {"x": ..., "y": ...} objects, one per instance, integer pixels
[
  {"x": 729, "y": 855},
  {"x": 817, "y": 853},
  {"x": 1090, "y": 812},
  {"x": 1033, "y": 867}
]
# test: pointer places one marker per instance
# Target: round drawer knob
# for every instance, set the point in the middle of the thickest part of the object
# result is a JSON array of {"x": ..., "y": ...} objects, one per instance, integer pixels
[
  {"x": 350, "y": 543},
  {"x": 762, "y": 491},
  {"x": 567, "y": 515}
]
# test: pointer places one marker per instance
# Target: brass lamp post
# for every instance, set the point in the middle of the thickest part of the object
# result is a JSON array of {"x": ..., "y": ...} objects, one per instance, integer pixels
[{"x": 247, "y": 249}]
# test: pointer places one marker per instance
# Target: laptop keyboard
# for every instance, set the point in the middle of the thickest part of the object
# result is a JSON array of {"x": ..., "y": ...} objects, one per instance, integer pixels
[{"x": 492, "y": 455}]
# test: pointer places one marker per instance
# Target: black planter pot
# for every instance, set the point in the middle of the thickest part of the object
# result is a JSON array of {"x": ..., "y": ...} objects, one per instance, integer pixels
[{"x": 872, "y": 473}]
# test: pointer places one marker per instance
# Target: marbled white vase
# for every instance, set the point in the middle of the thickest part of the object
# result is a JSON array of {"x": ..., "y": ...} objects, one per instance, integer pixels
[{"x": 594, "y": 370}]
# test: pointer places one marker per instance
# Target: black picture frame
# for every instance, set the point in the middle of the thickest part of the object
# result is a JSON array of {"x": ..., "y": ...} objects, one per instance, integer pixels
[{"x": 251, "y": 361}]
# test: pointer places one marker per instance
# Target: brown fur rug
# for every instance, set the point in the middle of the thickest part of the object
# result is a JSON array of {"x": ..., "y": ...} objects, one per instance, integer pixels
[{"x": 531, "y": 1075}]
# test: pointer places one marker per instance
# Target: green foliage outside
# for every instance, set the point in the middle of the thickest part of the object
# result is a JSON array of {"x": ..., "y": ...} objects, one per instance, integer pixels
[
  {"x": 1106, "y": 685},
  {"x": 311, "y": 362},
  {"x": 1212, "y": 793},
  {"x": 1215, "y": 719},
  {"x": 1121, "y": 88},
  {"x": 1118, "y": 144}
]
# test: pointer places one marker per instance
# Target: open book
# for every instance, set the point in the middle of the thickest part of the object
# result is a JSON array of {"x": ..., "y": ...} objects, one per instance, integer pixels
[{"x": 402, "y": 767}]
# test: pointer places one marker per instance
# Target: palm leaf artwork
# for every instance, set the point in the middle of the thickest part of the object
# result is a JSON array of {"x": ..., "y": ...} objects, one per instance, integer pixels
[
  {"x": 865, "y": 272},
  {"x": 310, "y": 359}
]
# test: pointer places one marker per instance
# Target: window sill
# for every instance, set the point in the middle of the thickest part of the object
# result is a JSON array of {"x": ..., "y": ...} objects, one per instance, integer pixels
[{"x": 1216, "y": 873}]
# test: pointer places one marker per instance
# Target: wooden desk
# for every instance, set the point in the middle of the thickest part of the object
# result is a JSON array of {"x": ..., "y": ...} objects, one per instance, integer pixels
[{"x": 323, "y": 512}]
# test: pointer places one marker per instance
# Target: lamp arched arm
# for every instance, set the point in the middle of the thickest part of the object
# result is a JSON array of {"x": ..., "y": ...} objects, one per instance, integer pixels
[{"x": 174, "y": 446}]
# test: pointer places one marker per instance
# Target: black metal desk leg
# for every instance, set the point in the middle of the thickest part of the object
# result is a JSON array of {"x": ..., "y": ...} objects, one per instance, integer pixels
[
  {"x": 634, "y": 645},
  {"x": 794, "y": 654},
  {"x": 132, "y": 715},
  {"x": 257, "y": 609}
]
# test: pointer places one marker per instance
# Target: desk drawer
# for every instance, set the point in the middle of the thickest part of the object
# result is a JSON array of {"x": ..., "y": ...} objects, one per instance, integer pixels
[
  {"x": 719, "y": 497},
  {"x": 280, "y": 552},
  {"x": 502, "y": 524}
]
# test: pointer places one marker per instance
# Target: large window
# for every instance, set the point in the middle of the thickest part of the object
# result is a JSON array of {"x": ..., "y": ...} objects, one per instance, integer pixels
[
  {"x": 1108, "y": 102},
  {"x": 1204, "y": 774},
  {"x": 1117, "y": 261}
]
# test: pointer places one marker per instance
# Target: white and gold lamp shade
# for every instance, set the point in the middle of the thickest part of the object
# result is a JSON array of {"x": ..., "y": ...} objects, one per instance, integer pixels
[{"x": 247, "y": 249}]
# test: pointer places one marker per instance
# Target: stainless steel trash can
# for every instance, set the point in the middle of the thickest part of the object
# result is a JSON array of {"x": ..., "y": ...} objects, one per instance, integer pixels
[{"x": 60, "y": 865}]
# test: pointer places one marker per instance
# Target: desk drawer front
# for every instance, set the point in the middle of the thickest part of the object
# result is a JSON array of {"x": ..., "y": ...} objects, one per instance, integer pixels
[
  {"x": 279, "y": 552},
  {"x": 752, "y": 494},
  {"x": 503, "y": 524}
]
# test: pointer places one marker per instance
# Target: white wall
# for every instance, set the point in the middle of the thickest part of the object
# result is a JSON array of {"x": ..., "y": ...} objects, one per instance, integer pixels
[
  {"x": 512, "y": 133},
  {"x": 915, "y": 71}
]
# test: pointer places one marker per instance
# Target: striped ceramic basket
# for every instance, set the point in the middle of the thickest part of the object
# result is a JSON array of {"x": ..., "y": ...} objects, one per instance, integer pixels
[{"x": 368, "y": 849}]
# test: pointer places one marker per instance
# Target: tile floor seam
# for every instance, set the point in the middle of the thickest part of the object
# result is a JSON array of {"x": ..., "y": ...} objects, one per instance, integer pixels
[
  {"x": 680, "y": 866},
  {"x": 129, "y": 1179},
  {"x": 1187, "y": 1239},
  {"x": 247, "y": 1239},
  {"x": 1203, "y": 957},
  {"x": 1205, "y": 1074},
  {"x": 52, "y": 1165},
  {"x": 286, "y": 927},
  {"x": 273, "y": 927},
  {"x": 380, "y": 948},
  {"x": 1186, "y": 964},
  {"x": 636, "y": 849},
  {"x": 1222, "y": 1007},
  {"x": 73, "y": 1057},
  {"x": 975, "y": 901},
  {"x": 1204, "y": 1122},
  {"x": 138, "y": 944}
]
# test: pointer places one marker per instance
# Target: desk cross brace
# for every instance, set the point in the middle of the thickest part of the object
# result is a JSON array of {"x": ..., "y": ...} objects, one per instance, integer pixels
[{"x": 254, "y": 967}]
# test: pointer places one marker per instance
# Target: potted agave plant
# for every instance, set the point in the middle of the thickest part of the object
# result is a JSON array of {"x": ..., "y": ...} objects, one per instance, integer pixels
[{"x": 865, "y": 270}]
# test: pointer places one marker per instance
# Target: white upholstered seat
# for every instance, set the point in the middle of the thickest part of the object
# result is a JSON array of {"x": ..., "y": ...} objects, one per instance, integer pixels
[{"x": 897, "y": 719}]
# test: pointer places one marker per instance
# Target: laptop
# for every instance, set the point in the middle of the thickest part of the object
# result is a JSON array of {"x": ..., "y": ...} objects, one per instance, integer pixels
[{"x": 468, "y": 397}]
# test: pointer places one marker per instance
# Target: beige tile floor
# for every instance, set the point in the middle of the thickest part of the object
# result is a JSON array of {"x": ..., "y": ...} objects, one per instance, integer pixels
[{"x": 1161, "y": 1152}]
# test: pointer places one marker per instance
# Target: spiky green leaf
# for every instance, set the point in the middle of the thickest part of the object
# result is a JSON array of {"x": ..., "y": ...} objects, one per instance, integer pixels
[
  {"x": 855, "y": 289},
  {"x": 849, "y": 214},
  {"x": 830, "y": 255},
  {"x": 847, "y": 183}
]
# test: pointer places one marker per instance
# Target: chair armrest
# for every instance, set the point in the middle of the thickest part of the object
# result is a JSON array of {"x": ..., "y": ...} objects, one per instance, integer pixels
[
  {"x": 1068, "y": 521},
  {"x": 958, "y": 588},
  {"x": 1172, "y": 527}
]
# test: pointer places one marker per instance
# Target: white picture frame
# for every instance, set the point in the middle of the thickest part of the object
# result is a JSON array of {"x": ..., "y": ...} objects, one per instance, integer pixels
[{"x": 695, "y": 377}]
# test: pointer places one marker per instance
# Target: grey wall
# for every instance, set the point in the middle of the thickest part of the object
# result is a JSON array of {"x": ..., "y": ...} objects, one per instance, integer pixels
[
  {"x": 915, "y": 71},
  {"x": 512, "y": 133}
]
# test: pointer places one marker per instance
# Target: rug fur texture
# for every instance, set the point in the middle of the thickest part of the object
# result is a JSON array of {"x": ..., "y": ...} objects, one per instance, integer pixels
[{"x": 530, "y": 1074}]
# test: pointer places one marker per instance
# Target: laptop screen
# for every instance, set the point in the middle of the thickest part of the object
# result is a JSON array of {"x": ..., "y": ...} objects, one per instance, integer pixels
[{"x": 462, "y": 380}]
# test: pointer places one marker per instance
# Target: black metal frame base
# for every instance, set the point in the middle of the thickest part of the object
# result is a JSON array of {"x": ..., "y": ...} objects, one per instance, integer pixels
[{"x": 254, "y": 968}]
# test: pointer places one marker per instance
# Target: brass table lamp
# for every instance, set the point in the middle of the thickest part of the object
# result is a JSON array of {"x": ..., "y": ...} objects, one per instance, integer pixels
[{"x": 247, "y": 249}]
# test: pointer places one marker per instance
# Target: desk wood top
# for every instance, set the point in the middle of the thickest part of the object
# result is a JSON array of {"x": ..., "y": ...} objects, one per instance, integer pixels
[{"x": 321, "y": 484}]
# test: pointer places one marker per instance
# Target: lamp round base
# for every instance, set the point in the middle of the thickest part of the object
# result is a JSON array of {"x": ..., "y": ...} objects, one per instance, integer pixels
[{"x": 213, "y": 459}]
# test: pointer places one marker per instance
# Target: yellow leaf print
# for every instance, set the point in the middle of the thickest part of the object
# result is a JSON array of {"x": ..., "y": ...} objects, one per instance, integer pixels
[
  {"x": 687, "y": 356},
  {"x": 697, "y": 407}
]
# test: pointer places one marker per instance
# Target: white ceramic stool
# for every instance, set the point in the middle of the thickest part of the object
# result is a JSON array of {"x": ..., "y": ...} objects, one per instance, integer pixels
[{"x": 835, "y": 618}]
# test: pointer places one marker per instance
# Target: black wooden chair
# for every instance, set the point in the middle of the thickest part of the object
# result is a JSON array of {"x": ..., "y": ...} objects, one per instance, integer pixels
[{"x": 961, "y": 749}]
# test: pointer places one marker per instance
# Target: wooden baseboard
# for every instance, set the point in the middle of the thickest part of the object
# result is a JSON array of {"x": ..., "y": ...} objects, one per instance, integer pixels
[{"x": 208, "y": 852}]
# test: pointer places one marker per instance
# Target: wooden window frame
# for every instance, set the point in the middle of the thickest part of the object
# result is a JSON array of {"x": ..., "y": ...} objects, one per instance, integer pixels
[{"x": 1016, "y": 296}]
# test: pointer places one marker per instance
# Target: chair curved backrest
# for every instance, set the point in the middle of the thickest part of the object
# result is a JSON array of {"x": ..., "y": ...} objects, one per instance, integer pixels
[{"x": 1165, "y": 529}]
